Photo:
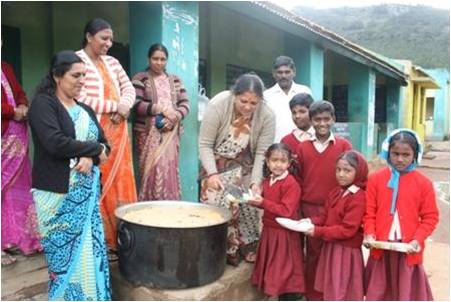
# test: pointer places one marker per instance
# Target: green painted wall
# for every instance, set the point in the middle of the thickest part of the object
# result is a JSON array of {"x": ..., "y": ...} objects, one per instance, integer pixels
[
  {"x": 34, "y": 21},
  {"x": 309, "y": 61},
  {"x": 69, "y": 35},
  {"x": 311, "y": 72},
  {"x": 441, "y": 103},
  {"x": 145, "y": 21},
  {"x": 231, "y": 38},
  {"x": 335, "y": 69},
  {"x": 361, "y": 102},
  {"x": 53, "y": 26},
  {"x": 393, "y": 104}
]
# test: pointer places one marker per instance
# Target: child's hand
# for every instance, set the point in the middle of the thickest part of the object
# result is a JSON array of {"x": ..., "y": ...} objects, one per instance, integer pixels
[
  {"x": 367, "y": 239},
  {"x": 310, "y": 231},
  {"x": 256, "y": 190},
  {"x": 305, "y": 220},
  {"x": 255, "y": 201},
  {"x": 414, "y": 247}
]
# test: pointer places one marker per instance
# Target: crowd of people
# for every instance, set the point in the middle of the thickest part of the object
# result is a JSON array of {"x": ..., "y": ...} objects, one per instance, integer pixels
[{"x": 277, "y": 143}]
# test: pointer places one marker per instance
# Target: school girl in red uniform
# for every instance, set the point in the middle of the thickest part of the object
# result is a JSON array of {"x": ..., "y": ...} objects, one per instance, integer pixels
[
  {"x": 401, "y": 206},
  {"x": 278, "y": 269},
  {"x": 339, "y": 275}
]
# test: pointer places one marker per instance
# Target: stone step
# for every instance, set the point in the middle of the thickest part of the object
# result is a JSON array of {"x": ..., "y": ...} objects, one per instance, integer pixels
[
  {"x": 23, "y": 286},
  {"x": 23, "y": 265},
  {"x": 26, "y": 279},
  {"x": 234, "y": 285}
]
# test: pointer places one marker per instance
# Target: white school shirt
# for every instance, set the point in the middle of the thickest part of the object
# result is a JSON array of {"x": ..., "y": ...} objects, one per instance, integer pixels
[
  {"x": 302, "y": 135},
  {"x": 395, "y": 229},
  {"x": 272, "y": 179},
  {"x": 279, "y": 101},
  {"x": 319, "y": 146},
  {"x": 352, "y": 189}
]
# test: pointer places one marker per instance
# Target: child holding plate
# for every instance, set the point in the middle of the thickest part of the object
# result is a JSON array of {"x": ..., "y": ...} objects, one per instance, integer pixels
[
  {"x": 401, "y": 207},
  {"x": 278, "y": 269}
]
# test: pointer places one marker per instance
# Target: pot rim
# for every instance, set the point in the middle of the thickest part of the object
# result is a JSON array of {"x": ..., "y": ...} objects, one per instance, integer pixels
[{"x": 121, "y": 211}]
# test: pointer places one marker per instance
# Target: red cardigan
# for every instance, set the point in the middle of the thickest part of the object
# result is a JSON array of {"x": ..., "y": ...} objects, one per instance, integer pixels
[
  {"x": 416, "y": 206},
  {"x": 341, "y": 218},
  {"x": 317, "y": 170},
  {"x": 19, "y": 96},
  {"x": 291, "y": 141},
  {"x": 280, "y": 200}
]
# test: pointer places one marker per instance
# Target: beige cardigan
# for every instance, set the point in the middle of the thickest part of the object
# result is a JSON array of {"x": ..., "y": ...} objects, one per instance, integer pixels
[{"x": 215, "y": 128}]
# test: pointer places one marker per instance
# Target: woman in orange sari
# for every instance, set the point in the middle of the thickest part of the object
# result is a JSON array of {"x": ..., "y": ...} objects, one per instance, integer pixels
[
  {"x": 161, "y": 105},
  {"x": 110, "y": 94}
]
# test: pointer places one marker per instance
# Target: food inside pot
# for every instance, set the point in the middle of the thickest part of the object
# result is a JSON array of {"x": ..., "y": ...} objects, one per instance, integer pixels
[{"x": 174, "y": 217}]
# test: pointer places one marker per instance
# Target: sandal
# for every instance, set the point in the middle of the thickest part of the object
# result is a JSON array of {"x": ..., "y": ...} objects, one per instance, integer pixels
[{"x": 7, "y": 259}]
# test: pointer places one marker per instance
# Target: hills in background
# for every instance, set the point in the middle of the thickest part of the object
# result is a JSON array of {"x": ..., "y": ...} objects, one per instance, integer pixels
[{"x": 417, "y": 33}]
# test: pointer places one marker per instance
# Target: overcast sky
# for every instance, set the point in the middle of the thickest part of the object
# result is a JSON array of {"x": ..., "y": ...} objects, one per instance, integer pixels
[{"x": 289, "y": 4}]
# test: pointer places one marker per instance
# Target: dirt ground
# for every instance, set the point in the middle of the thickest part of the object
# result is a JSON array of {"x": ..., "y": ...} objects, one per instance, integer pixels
[{"x": 436, "y": 165}]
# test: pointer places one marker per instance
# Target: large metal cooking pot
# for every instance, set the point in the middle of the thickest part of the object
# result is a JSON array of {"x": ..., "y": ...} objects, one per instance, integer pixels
[{"x": 171, "y": 257}]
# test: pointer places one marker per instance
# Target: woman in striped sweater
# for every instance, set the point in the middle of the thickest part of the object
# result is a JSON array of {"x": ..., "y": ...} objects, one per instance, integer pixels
[
  {"x": 109, "y": 92},
  {"x": 161, "y": 105}
]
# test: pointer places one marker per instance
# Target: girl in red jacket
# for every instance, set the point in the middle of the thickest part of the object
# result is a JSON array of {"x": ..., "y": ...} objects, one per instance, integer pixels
[
  {"x": 339, "y": 275},
  {"x": 278, "y": 269},
  {"x": 401, "y": 207}
]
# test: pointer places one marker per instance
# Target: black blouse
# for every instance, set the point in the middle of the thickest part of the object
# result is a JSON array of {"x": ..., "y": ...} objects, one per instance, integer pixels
[{"x": 54, "y": 141}]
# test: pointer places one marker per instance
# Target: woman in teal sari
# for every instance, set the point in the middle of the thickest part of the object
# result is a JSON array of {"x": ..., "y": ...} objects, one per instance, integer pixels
[{"x": 69, "y": 146}]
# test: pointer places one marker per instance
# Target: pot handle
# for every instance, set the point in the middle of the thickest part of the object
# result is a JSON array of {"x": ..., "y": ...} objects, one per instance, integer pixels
[{"x": 125, "y": 238}]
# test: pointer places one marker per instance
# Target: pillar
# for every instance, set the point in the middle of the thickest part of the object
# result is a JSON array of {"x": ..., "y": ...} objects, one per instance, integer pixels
[
  {"x": 361, "y": 105},
  {"x": 311, "y": 69},
  {"x": 309, "y": 61},
  {"x": 175, "y": 25}
]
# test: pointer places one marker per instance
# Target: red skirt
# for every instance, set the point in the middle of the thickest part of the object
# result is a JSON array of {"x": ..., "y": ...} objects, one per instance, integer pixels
[
  {"x": 339, "y": 275},
  {"x": 278, "y": 268},
  {"x": 391, "y": 278}
]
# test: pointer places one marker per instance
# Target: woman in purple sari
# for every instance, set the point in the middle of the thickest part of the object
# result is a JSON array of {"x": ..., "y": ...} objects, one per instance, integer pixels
[{"x": 18, "y": 212}]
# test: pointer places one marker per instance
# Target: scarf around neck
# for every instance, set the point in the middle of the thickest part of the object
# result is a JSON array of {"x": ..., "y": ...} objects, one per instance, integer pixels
[{"x": 393, "y": 183}]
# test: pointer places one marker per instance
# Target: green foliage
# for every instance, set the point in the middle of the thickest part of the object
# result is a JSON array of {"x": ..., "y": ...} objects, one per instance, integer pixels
[{"x": 417, "y": 33}]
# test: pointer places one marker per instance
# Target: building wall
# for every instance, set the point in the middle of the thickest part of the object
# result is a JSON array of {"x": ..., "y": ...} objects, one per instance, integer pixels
[
  {"x": 69, "y": 35},
  {"x": 230, "y": 38},
  {"x": 34, "y": 21},
  {"x": 50, "y": 27},
  {"x": 414, "y": 102},
  {"x": 222, "y": 36},
  {"x": 441, "y": 104}
]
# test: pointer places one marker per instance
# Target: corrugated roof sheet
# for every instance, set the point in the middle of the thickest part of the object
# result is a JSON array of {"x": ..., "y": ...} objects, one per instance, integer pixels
[{"x": 378, "y": 59}]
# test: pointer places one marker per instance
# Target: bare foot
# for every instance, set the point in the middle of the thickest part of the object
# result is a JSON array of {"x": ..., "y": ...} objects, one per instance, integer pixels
[
  {"x": 250, "y": 257},
  {"x": 7, "y": 259}
]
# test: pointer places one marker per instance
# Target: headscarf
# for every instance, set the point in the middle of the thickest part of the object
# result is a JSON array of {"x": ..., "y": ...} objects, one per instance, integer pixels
[
  {"x": 361, "y": 175},
  {"x": 393, "y": 183},
  {"x": 360, "y": 179}
]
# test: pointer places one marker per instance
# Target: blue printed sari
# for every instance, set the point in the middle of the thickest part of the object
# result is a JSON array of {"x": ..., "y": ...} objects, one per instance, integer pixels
[{"x": 71, "y": 230}]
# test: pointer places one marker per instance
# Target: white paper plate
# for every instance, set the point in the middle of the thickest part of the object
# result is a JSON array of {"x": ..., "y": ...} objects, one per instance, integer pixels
[
  {"x": 294, "y": 225},
  {"x": 392, "y": 246}
]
